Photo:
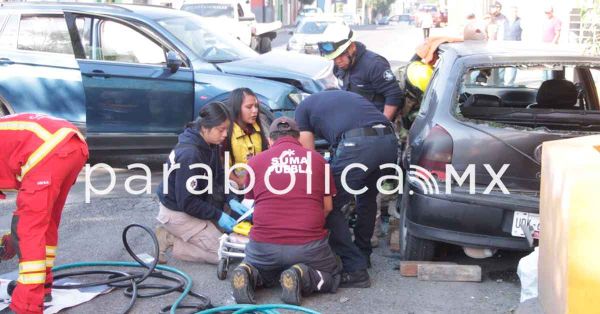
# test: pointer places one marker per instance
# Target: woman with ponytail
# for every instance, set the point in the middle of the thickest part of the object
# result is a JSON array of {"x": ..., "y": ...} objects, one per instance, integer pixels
[{"x": 192, "y": 198}]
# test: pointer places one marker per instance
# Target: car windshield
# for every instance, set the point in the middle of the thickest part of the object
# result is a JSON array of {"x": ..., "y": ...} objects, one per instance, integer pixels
[
  {"x": 206, "y": 42},
  {"x": 210, "y": 9},
  {"x": 313, "y": 27}
]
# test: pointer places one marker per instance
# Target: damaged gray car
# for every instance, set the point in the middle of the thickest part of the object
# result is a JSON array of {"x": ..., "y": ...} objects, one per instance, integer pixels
[{"x": 473, "y": 157}]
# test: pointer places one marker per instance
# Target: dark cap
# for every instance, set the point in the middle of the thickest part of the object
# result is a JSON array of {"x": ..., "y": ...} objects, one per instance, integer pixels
[{"x": 283, "y": 124}]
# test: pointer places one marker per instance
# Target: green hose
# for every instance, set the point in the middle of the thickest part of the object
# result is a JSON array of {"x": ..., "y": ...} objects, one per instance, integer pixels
[
  {"x": 187, "y": 289},
  {"x": 260, "y": 308},
  {"x": 236, "y": 309}
]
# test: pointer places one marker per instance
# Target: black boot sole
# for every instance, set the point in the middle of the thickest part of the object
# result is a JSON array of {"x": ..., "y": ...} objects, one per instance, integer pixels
[
  {"x": 357, "y": 284},
  {"x": 290, "y": 284},
  {"x": 243, "y": 291}
]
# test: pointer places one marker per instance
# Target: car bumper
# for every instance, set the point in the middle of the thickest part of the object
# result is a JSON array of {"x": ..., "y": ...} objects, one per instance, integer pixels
[{"x": 468, "y": 220}]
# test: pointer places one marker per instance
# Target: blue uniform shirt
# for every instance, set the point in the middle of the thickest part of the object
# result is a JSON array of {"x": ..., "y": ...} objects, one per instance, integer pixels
[
  {"x": 370, "y": 76},
  {"x": 328, "y": 114}
]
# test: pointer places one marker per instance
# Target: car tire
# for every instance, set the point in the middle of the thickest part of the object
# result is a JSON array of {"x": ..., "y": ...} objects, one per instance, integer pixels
[
  {"x": 411, "y": 247},
  {"x": 264, "y": 44}
]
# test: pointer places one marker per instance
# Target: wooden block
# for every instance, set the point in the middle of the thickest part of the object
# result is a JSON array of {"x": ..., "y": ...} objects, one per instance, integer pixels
[
  {"x": 434, "y": 272},
  {"x": 410, "y": 268}
]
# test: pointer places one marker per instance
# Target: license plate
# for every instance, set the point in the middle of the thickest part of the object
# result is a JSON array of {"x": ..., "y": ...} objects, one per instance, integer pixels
[{"x": 524, "y": 219}]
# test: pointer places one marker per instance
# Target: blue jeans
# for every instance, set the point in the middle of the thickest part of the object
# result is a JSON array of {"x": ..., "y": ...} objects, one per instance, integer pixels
[{"x": 371, "y": 151}]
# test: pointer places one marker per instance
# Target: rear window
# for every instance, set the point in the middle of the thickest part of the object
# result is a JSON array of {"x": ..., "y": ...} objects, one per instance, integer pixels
[
  {"x": 45, "y": 34},
  {"x": 563, "y": 96}
]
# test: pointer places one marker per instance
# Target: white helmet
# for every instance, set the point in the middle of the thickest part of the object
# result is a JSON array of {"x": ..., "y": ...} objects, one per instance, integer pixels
[{"x": 336, "y": 39}]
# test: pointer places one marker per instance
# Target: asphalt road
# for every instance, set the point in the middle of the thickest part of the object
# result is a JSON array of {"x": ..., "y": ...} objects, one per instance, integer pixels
[{"x": 92, "y": 231}]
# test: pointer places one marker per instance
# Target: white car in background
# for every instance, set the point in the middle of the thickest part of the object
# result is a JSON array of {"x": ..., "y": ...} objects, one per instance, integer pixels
[
  {"x": 309, "y": 32},
  {"x": 236, "y": 18}
]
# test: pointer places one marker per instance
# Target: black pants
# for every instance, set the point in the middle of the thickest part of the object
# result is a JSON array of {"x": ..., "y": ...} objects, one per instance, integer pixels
[
  {"x": 370, "y": 151},
  {"x": 426, "y": 33},
  {"x": 272, "y": 259}
]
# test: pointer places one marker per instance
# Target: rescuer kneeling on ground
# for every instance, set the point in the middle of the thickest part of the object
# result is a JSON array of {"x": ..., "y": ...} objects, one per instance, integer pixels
[{"x": 288, "y": 240}]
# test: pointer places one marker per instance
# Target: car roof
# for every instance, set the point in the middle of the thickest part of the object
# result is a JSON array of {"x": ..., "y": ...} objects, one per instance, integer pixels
[
  {"x": 510, "y": 48},
  {"x": 148, "y": 11},
  {"x": 322, "y": 18}
]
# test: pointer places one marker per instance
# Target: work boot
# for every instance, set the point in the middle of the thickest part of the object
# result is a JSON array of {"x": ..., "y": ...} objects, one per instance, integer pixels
[
  {"x": 7, "y": 247},
  {"x": 356, "y": 279},
  {"x": 292, "y": 281},
  {"x": 165, "y": 241},
  {"x": 243, "y": 283}
]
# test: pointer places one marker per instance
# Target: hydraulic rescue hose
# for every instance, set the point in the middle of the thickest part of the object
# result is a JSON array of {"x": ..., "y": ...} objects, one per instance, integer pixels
[{"x": 132, "y": 283}]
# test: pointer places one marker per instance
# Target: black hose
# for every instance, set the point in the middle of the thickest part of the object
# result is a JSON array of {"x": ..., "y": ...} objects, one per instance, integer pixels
[{"x": 132, "y": 283}]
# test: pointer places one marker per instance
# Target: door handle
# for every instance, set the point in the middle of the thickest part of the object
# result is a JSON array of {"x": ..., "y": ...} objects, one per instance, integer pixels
[
  {"x": 6, "y": 61},
  {"x": 97, "y": 74}
]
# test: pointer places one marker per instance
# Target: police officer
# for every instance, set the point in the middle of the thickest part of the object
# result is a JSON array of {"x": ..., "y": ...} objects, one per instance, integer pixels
[
  {"x": 359, "y": 133},
  {"x": 40, "y": 156},
  {"x": 360, "y": 70}
]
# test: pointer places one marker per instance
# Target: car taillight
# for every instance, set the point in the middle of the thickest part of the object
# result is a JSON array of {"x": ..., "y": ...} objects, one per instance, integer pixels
[{"x": 437, "y": 152}]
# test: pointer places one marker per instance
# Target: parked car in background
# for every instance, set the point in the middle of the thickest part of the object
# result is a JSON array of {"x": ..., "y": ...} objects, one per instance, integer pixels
[
  {"x": 131, "y": 76},
  {"x": 350, "y": 19},
  {"x": 307, "y": 11},
  {"x": 486, "y": 112},
  {"x": 400, "y": 19},
  {"x": 309, "y": 32},
  {"x": 236, "y": 17}
]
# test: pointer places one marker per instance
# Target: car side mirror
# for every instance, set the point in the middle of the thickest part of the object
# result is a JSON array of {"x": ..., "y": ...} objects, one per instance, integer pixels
[{"x": 174, "y": 62}]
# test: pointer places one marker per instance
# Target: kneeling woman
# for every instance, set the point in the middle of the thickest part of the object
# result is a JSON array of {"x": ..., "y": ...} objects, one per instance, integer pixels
[{"x": 189, "y": 207}]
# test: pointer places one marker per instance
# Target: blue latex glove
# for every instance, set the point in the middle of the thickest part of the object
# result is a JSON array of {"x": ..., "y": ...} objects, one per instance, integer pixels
[
  {"x": 237, "y": 207},
  {"x": 226, "y": 222}
]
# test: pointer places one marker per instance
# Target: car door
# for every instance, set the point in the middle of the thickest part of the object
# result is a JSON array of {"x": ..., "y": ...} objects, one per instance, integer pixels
[
  {"x": 38, "y": 70},
  {"x": 129, "y": 89}
]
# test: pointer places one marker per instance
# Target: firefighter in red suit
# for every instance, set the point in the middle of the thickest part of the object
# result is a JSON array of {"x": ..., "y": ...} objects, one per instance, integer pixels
[{"x": 40, "y": 157}]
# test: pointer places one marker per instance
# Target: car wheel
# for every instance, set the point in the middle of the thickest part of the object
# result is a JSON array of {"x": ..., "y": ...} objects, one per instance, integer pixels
[
  {"x": 264, "y": 44},
  {"x": 411, "y": 247}
]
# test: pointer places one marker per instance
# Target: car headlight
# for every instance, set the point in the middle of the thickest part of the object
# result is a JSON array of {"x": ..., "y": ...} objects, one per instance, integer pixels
[{"x": 297, "y": 97}]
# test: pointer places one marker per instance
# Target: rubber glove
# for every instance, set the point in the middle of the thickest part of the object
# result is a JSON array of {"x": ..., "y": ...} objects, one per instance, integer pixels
[
  {"x": 226, "y": 222},
  {"x": 237, "y": 207}
]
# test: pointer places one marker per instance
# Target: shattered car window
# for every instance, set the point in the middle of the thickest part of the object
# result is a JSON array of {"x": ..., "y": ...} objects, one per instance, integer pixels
[{"x": 554, "y": 96}]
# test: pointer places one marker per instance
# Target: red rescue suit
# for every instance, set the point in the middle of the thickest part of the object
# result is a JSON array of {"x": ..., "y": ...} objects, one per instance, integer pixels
[{"x": 40, "y": 157}]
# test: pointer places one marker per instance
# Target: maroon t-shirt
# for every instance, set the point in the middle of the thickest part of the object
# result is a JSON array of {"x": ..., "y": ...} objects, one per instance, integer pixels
[{"x": 296, "y": 216}]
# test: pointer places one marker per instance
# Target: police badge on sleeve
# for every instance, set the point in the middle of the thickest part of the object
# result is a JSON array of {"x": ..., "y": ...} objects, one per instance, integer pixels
[{"x": 388, "y": 75}]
